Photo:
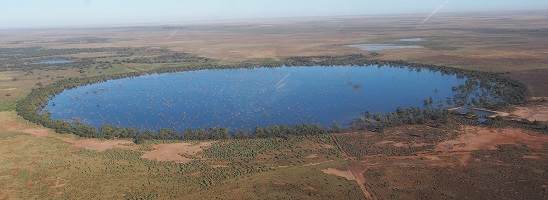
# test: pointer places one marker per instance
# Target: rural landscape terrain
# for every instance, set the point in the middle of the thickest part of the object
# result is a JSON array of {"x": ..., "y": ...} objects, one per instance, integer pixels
[{"x": 444, "y": 155}]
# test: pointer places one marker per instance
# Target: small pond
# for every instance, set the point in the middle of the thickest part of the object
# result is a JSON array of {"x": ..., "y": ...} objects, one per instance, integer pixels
[
  {"x": 482, "y": 120},
  {"x": 370, "y": 47},
  {"x": 53, "y": 62},
  {"x": 245, "y": 98},
  {"x": 411, "y": 40},
  {"x": 480, "y": 113}
]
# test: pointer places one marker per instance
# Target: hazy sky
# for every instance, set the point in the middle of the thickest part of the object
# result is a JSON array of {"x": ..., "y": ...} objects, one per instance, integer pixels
[{"x": 44, "y": 13}]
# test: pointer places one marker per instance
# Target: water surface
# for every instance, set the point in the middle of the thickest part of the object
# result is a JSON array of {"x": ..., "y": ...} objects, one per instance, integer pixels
[
  {"x": 411, "y": 40},
  {"x": 53, "y": 62},
  {"x": 480, "y": 113},
  {"x": 369, "y": 47},
  {"x": 245, "y": 98}
]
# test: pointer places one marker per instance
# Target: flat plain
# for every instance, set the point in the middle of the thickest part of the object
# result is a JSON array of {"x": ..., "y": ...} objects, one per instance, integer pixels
[{"x": 500, "y": 161}]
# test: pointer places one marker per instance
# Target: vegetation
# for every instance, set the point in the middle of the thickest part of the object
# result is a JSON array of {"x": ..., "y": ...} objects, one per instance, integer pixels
[
  {"x": 30, "y": 58},
  {"x": 410, "y": 116},
  {"x": 123, "y": 174}
]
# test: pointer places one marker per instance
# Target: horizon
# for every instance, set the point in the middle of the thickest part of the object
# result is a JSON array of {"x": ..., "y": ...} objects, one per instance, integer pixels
[
  {"x": 248, "y": 20},
  {"x": 94, "y": 13}
]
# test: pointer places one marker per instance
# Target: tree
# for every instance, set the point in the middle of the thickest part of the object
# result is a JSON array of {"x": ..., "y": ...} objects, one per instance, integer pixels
[
  {"x": 139, "y": 140},
  {"x": 378, "y": 117},
  {"x": 336, "y": 128},
  {"x": 107, "y": 131},
  {"x": 165, "y": 133},
  {"x": 440, "y": 104},
  {"x": 189, "y": 135},
  {"x": 258, "y": 132},
  {"x": 367, "y": 114},
  {"x": 223, "y": 134}
]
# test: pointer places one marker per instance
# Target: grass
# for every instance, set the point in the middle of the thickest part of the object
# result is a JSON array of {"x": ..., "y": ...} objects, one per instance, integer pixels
[{"x": 48, "y": 167}]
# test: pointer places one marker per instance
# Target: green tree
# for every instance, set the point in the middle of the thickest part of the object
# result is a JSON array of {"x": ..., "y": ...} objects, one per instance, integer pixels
[
  {"x": 107, "y": 131},
  {"x": 367, "y": 114},
  {"x": 165, "y": 133}
]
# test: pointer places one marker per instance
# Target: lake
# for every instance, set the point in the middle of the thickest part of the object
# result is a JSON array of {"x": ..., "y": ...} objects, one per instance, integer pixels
[
  {"x": 244, "y": 98},
  {"x": 369, "y": 47}
]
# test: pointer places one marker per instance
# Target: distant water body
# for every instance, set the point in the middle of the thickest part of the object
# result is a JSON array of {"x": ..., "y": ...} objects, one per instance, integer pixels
[
  {"x": 368, "y": 47},
  {"x": 244, "y": 98},
  {"x": 53, "y": 62},
  {"x": 411, "y": 40}
]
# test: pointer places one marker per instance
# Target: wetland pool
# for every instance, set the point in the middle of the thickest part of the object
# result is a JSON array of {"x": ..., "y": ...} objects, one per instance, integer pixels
[
  {"x": 411, "y": 40},
  {"x": 244, "y": 98},
  {"x": 375, "y": 47},
  {"x": 53, "y": 62}
]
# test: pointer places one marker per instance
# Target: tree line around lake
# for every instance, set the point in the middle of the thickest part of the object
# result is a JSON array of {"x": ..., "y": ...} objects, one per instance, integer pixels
[{"x": 497, "y": 91}]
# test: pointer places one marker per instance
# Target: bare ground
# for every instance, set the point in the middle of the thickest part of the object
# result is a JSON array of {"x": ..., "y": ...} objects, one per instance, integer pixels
[
  {"x": 3, "y": 194},
  {"x": 162, "y": 152},
  {"x": 173, "y": 152},
  {"x": 345, "y": 174},
  {"x": 98, "y": 145},
  {"x": 11, "y": 126},
  {"x": 477, "y": 138},
  {"x": 312, "y": 156},
  {"x": 398, "y": 144},
  {"x": 9, "y": 123},
  {"x": 38, "y": 132},
  {"x": 532, "y": 113}
]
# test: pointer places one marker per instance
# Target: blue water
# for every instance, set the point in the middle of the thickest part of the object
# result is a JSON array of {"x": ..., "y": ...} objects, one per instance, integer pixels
[
  {"x": 53, "y": 62},
  {"x": 482, "y": 120},
  {"x": 475, "y": 112},
  {"x": 244, "y": 98},
  {"x": 411, "y": 40},
  {"x": 368, "y": 47}
]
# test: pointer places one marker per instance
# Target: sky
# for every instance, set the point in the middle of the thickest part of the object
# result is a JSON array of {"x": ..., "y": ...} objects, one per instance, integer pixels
[{"x": 58, "y": 13}]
